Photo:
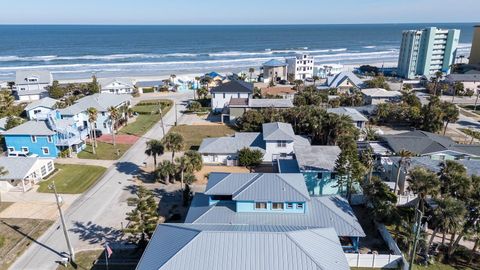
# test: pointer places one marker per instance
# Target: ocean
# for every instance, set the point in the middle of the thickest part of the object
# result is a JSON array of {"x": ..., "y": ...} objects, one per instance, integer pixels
[{"x": 78, "y": 51}]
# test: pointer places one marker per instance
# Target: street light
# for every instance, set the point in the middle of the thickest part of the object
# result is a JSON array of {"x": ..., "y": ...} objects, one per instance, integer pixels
[{"x": 59, "y": 201}]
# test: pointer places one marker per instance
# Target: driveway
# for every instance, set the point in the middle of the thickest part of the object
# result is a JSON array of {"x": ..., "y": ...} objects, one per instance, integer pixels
[{"x": 99, "y": 214}]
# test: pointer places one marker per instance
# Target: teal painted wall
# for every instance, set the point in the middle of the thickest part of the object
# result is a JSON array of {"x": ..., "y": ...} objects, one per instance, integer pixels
[{"x": 323, "y": 186}]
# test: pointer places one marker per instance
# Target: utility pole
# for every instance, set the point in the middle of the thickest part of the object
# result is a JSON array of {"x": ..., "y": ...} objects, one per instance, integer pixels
[
  {"x": 64, "y": 226},
  {"x": 176, "y": 117},
  {"x": 416, "y": 231}
]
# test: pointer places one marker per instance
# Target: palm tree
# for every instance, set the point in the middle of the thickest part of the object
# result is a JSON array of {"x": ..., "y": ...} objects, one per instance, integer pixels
[
  {"x": 154, "y": 148},
  {"x": 403, "y": 163},
  {"x": 92, "y": 119},
  {"x": 114, "y": 115},
  {"x": 206, "y": 80},
  {"x": 165, "y": 170},
  {"x": 197, "y": 79},
  {"x": 423, "y": 183},
  {"x": 173, "y": 142},
  {"x": 315, "y": 79},
  {"x": 450, "y": 114},
  {"x": 202, "y": 92},
  {"x": 298, "y": 84},
  {"x": 190, "y": 162},
  {"x": 447, "y": 215}
]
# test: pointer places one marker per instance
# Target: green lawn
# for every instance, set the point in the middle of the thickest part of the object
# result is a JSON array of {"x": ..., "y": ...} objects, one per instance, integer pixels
[
  {"x": 194, "y": 135},
  {"x": 72, "y": 179},
  {"x": 104, "y": 151},
  {"x": 145, "y": 121}
]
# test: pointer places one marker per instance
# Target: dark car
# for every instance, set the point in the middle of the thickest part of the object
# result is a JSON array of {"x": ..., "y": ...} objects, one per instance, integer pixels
[
  {"x": 98, "y": 133},
  {"x": 283, "y": 82}
]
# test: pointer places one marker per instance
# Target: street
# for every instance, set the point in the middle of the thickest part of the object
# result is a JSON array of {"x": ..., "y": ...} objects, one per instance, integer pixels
[{"x": 97, "y": 215}]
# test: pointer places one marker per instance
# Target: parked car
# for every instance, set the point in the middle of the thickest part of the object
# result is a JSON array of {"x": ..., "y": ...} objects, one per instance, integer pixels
[
  {"x": 283, "y": 82},
  {"x": 98, "y": 133},
  {"x": 21, "y": 154}
]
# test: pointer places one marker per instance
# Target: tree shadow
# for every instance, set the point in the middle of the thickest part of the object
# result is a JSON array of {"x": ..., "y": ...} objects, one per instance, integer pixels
[
  {"x": 171, "y": 205},
  {"x": 95, "y": 234},
  {"x": 343, "y": 205},
  {"x": 128, "y": 168},
  {"x": 468, "y": 124}
]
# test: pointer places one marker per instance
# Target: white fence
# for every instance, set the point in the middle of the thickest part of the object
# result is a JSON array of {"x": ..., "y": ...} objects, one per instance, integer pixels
[
  {"x": 373, "y": 260},
  {"x": 403, "y": 199}
]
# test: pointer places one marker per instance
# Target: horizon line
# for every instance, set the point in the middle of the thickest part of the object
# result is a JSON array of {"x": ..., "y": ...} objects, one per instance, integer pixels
[{"x": 247, "y": 24}]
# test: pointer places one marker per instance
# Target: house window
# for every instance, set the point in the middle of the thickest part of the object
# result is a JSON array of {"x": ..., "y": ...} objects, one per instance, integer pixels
[
  {"x": 261, "y": 205},
  {"x": 50, "y": 138},
  {"x": 289, "y": 205},
  {"x": 45, "y": 150},
  {"x": 359, "y": 124},
  {"x": 50, "y": 166},
  {"x": 11, "y": 149},
  {"x": 277, "y": 206},
  {"x": 104, "y": 125},
  {"x": 223, "y": 95},
  {"x": 37, "y": 111},
  {"x": 299, "y": 205},
  {"x": 34, "y": 138},
  {"x": 25, "y": 149},
  {"x": 281, "y": 144},
  {"x": 44, "y": 170},
  {"x": 320, "y": 175},
  {"x": 103, "y": 113}
]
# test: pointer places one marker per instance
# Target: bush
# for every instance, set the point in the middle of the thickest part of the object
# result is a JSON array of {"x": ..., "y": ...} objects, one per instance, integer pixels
[
  {"x": 148, "y": 90},
  {"x": 194, "y": 106}
]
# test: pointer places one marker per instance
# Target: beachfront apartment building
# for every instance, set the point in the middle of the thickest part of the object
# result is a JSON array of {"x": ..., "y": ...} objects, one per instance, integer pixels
[
  {"x": 222, "y": 94},
  {"x": 274, "y": 70},
  {"x": 475, "y": 51},
  {"x": 300, "y": 67},
  {"x": 31, "y": 85},
  {"x": 427, "y": 51},
  {"x": 116, "y": 86}
]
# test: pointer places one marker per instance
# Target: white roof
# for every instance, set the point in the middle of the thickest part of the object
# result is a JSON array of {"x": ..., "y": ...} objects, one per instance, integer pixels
[
  {"x": 20, "y": 167},
  {"x": 46, "y": 102},
  {"x": 381, "y": 93},
  {"x": 44, "y": 77},
  {"x": 104, "y": 82}
]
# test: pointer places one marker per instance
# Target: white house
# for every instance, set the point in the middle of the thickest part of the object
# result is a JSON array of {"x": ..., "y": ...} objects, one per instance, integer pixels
[
  {"x": 222, "y": 94},
  {"x": 343, "y": 82},
  {"x": 358, "y": 119},
  {"x": 116, "y": 86},
  {"x": 39, "y": 109},
  {"x": 31, "y": 85},
  {"x": 301, "y": 67},
  {"x": 374, "y": 96},
  {"x": 24, "y": 172},
  {"x": 276, "y": 141}
]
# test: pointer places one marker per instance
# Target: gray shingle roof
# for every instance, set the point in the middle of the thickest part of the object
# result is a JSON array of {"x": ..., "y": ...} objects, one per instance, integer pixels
[
  {"x": 149, "y": 84},
  {"x": 31, "y": 128},
  {"x": 101, "y": 102},
  {"x": 422, "y": 142},
  {"x": 17, "y": 167},
  {"x": 463, "y": 77},
  {"x": 46, "y": 102},
  {"x": 103, "y": 82},
  {"x": 191, "y": 246},
  {"x": 278, "y": 131},
  {"x": 44, "y": 77},
  {"x": 259, "y": 187},
  {"x": 231, "y": 145},
  {"x": 322, "y": 212},
  {"x": 380, "y": 93},
  {"x": 234, "y": 86},
  {"x": 317, "y": 157},
  {"x": 335, "y": 81},
  {"x": 354, "y": 114}
]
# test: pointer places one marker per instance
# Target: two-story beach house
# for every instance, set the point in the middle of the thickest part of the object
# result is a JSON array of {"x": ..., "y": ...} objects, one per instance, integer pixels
[
  {"x": 274, "y": 70},
  {"x": 276, "y": 141},
  {"x": 79, "y": 115},
  {"x": 31, "y": 85},
  {"x": 40, "y": 108},
  {"x": 272, "y": 199},
  {"x": 343, "y": 82},
  {"x": 358, "y": 119},
  {"x": 24, "y": 172},
  {"x": 222, "y": 94},
  {"x": 241, "y": 247}
]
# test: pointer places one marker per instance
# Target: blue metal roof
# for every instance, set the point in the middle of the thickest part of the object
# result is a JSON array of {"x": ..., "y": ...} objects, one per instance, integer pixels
[{"x": 274, "y": 63}]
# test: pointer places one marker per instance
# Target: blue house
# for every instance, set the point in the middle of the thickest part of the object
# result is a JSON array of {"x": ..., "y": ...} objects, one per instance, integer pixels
[
  {"x": 272, "y": 199},
  {"x": 45, "y": 138},
  {"x": 317, "y": 164}
]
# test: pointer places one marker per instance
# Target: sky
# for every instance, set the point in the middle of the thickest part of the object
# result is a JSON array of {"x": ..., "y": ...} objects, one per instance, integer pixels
[{"x": 175, "y": 12}]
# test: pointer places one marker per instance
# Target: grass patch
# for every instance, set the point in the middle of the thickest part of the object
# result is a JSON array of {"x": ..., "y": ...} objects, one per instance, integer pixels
[
  {"x": 95, "y": 259},
  {"x": 194, "y": 135},
  {"x": 72, "y": 179},
  {"x": 17, "y": 234},
  {"x": 104, "y": 151},
  {"x": 147, "y": 117}
]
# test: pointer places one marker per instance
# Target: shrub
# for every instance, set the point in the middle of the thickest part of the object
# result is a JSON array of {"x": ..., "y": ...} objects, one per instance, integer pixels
[{"x": 148, "y": 90}]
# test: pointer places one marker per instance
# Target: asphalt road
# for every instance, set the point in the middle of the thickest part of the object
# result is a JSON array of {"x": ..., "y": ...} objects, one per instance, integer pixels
[{"x": 97, "y": 215}]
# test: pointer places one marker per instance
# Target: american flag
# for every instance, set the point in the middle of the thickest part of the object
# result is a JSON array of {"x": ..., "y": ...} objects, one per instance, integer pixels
[{"x": 109, "y": 250}]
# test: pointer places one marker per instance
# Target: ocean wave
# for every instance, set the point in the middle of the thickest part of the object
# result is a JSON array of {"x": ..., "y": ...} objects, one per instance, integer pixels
[{"x": 369, "y": 47}]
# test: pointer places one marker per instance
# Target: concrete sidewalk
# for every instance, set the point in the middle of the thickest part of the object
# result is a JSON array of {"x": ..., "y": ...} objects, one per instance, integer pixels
[{"x": 79, "y": 161}]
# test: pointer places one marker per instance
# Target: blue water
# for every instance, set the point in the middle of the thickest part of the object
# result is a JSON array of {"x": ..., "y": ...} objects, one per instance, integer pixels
[{"x": 78, "y": 51}]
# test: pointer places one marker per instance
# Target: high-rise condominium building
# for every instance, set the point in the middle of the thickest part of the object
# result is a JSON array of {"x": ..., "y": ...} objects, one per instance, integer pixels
[
  {"x": 475, "y": 52},
  {"x": 301, "y": 67},
  {"x": 427, "y": 51}
]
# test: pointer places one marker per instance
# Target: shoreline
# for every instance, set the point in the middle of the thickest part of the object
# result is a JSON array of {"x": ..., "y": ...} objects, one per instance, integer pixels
[{"x": 188, "y": 76}]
